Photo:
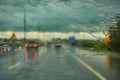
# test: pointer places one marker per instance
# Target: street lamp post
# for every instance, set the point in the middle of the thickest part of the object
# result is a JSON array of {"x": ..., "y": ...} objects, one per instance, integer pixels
[
  {"x": 24, "y": 24},
  {"x": 38, "y": 32}
]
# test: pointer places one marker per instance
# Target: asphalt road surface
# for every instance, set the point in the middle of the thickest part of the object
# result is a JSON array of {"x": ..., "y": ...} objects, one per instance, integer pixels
[{"x": 65, "y": 63}]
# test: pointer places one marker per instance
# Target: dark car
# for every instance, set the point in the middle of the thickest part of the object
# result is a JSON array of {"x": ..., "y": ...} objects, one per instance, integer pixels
[
  {"x": 31, "y": 44},
  {"x": 58, "y": 44}
]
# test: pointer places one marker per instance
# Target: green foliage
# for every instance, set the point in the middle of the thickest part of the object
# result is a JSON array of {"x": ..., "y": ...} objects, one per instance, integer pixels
[
  {"x": 100, "y": 46},
  {"x": 90, "y": 44},
  {"x": 114, "y": 31}
]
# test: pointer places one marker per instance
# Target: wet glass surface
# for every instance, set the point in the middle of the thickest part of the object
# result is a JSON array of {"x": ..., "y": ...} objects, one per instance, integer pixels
[{"x": 59, "y": 39}]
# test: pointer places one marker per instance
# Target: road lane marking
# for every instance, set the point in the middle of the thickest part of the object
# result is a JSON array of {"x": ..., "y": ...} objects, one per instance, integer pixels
[
  {"x": 101, "y": 77},
  {"x": 13, "y": 66}
]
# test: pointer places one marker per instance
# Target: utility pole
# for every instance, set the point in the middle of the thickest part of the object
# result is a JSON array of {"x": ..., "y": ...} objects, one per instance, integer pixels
[
  {"x": 38, "y": 32},
  {"x": 24, "y": 24}
]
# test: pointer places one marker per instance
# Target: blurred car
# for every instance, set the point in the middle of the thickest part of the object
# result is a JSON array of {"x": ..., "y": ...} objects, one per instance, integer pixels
[
  {"x": 58, "y": 44},
  {"x": 49, "y": 44},
  {"x": 31, "y": 44},
  {"x": 18, "y": 44},
  {"x": 4, "y": 49}
]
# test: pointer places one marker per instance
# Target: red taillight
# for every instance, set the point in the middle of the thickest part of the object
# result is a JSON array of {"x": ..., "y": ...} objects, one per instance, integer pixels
[
  {"x": 35, "y": 45},
  {"x": 26, "y": 44}
]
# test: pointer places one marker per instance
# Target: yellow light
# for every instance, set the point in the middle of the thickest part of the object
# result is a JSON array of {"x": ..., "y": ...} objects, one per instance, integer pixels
[{"x": 107, "y": 39}]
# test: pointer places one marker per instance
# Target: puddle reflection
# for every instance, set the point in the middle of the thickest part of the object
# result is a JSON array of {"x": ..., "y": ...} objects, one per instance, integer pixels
[
  {"x": 35, "y": 55},
  {"x": 113, "y": 65},
  {"x": 26, "y": 56},
  {"x": 72, "y": 49},
  {"x": 13, "y": 60},
  {"x": 30, "y": 55},
  {"x": 112, "y": 62}
]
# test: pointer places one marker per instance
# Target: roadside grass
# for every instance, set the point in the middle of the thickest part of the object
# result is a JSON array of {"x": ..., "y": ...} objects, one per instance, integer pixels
[{"x": 93, "y": 46}]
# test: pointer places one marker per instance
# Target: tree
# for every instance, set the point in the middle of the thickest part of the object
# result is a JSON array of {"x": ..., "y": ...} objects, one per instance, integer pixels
[{"x": 114, "y": 31}]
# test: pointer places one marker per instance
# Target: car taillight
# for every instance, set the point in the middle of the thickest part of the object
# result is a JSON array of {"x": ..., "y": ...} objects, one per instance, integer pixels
[
  {"x": 35, "y": 45},
  {"x": 26, "y": 44}
]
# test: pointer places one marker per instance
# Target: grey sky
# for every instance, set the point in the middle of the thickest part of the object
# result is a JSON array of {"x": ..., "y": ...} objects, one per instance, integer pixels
[{"x": 57, "y": 15}]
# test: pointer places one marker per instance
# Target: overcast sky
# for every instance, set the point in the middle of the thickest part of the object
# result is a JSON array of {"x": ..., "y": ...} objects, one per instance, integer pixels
[{"x": 57, "y": 15}]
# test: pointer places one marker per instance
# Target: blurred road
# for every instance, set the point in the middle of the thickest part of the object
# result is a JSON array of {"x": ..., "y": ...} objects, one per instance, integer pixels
[{"x": 65, "y": 63}]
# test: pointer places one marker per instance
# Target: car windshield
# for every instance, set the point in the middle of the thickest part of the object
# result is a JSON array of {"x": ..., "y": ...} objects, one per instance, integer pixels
[{"x": 59, "y": 39}]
